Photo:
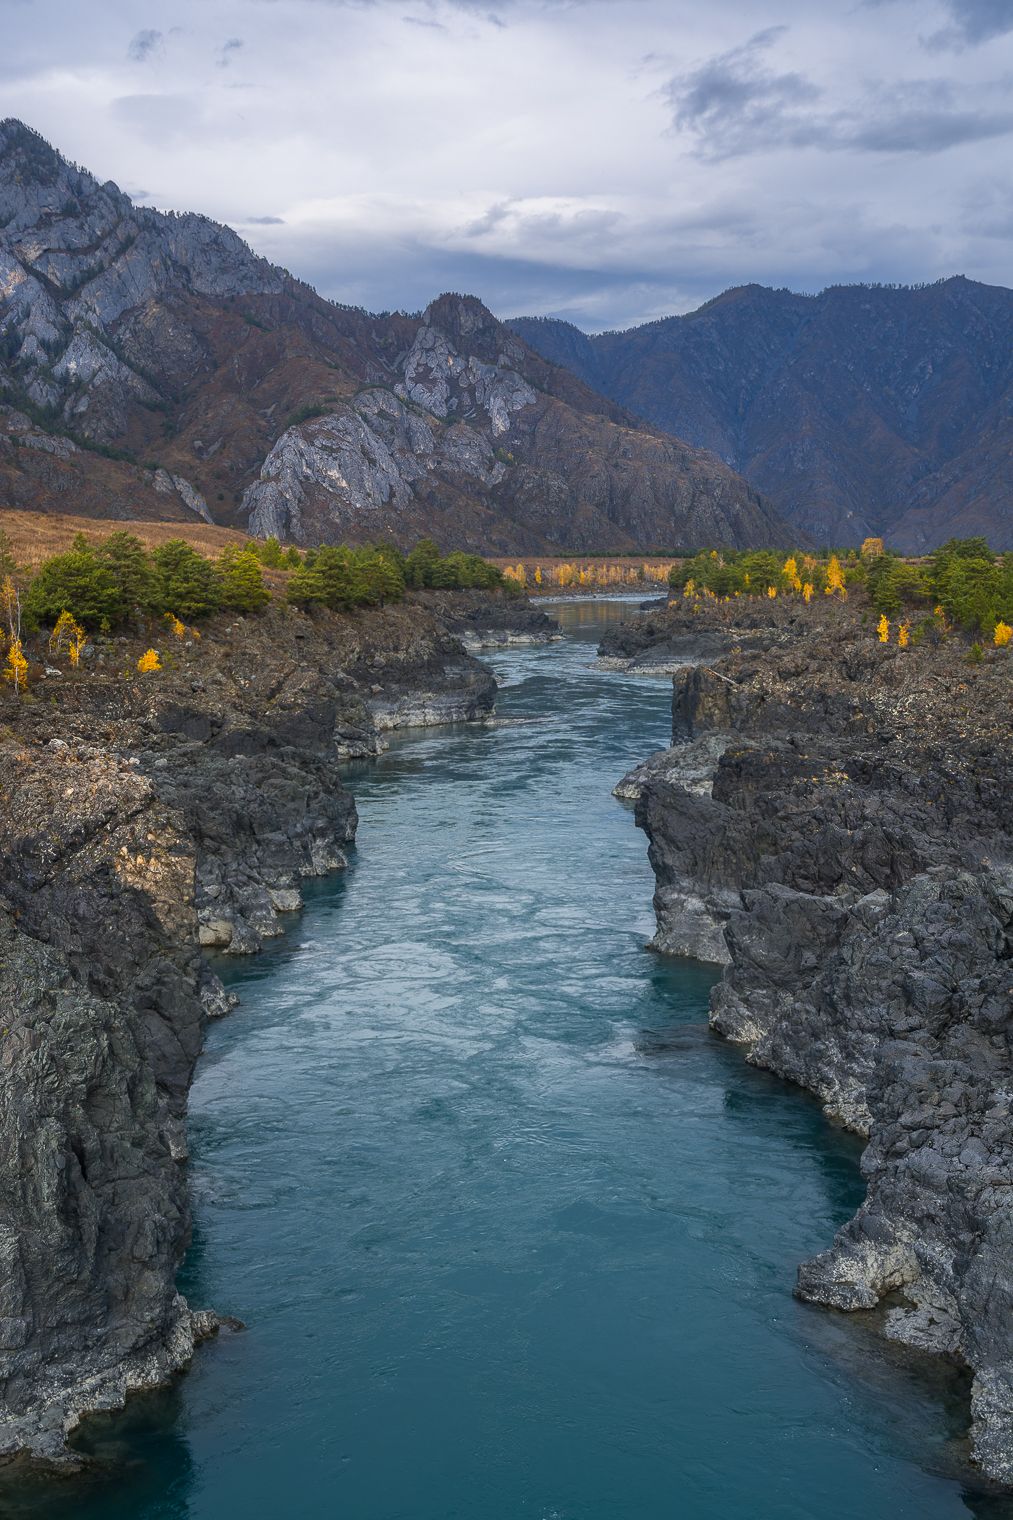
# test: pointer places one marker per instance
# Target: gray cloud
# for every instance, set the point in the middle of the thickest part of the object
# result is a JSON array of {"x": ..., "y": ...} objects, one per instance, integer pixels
[
  {"x": 736, "y": 104},
  {"x": 144, "y": 44},
  {"x": 972, "y": 22},
  {"x": 607, "y": 160}
]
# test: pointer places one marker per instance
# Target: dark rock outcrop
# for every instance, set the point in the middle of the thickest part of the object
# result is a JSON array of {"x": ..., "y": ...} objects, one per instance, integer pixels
[
  {"x": 850, "y": 863},
  {"x": 484, "y": 622},
  {"x": 99, "y": 976}
]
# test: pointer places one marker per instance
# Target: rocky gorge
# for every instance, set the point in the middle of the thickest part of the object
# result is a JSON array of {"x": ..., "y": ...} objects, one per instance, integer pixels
[
  {"x": 832, "y": 825},
  {"x": 144, "y": 819}
]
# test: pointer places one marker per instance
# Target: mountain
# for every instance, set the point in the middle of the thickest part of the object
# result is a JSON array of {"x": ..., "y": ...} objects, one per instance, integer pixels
[
  {"x": 152, "y": 366},
  {"x": 862, "y": 410}
]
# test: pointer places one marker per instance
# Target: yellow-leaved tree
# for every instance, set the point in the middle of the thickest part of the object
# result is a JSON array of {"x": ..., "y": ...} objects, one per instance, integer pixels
[
  {"x": 883, "y": 628},
  {"x": 67, "y": 634},
  {"x": 904, "y": 635},
  {"x": 872, "y": 547},
  {"x": 149, "y": 661},
  {"x": 835, "y": 579},
  {"x": 807, "y": 592},
  {"x": 1002, "y": 635},
  {"x": 16, "y": 667}
]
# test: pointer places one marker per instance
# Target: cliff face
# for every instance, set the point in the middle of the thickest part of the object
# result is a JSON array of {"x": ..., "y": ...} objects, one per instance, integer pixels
[
  {"x": 834, "y": 826},
  {"x": 98, "y": 980},
  {"x": 151, "y": 365},
  {"x": 858, "y": 411},
  {"x": 139, "y": 820}
]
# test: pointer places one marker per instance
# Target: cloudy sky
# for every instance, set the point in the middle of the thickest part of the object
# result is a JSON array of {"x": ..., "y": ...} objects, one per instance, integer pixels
[{"x": 605, "y": 160}]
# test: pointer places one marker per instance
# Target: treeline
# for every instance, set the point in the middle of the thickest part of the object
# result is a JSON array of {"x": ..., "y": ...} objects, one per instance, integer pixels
[
  {"x": 972, "y": 584},
  {"x": 342, "y": 577},
  {"x": 964, "y": 580},
  {"x": 105, "y": 584},
  {"x": 759, "y": 572}
]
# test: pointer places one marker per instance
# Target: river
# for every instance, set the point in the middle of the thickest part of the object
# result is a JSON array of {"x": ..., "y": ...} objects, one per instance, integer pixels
[{"x": 513, "y": 1234}]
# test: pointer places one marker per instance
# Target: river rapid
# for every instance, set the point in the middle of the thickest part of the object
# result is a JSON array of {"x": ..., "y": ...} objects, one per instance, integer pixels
[{"x": 512, "y": 1233}]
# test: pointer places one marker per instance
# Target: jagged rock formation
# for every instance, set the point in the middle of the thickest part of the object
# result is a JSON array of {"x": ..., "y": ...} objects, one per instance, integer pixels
[
  {"x": 139, "y": 820},
  {"x": 863, "y": 410},
  {"x": 845, "y": 853},
  {"x": 151, "y": 365}
]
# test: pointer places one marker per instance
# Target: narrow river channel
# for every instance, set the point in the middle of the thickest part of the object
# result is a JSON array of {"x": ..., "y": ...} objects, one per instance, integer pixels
[{"x": 513, "y": 1235}]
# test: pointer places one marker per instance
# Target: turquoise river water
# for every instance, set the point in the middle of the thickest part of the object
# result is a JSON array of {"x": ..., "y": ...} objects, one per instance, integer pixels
[{"x": 513, "y": 1234}]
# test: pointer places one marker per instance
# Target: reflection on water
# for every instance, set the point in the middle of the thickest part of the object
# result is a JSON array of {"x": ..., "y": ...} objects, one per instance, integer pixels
[{"x": 513, "y": 1233}]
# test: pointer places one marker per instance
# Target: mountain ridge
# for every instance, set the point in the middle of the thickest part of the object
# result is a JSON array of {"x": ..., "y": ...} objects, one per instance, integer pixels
[
  {"x": 151, "y": 365},
  {"x": 858, "y": 410}
]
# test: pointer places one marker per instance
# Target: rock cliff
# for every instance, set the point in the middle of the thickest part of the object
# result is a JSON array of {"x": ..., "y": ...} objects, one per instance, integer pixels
[
  {"x": 140, "y": 819},
  {"x": 833, "y": 824},
  {"x": 152, "y": 366}
]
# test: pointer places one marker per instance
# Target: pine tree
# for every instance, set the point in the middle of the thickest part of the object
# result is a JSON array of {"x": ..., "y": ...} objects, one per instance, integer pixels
[
  {"x": 76, "y": 582},
  {"x": 242, "y": 581},
  {"x": 187, "y": 583},
  {"x": 132, "y": 574}
]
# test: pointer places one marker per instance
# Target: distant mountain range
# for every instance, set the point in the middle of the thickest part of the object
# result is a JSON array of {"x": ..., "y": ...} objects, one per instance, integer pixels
[
  {"x": 152, "y": 366},
  {"x": 862, "y": 410}
]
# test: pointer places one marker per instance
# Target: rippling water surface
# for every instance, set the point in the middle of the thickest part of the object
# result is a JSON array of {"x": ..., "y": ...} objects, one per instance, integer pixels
[{"x": 513, "y": 1235}]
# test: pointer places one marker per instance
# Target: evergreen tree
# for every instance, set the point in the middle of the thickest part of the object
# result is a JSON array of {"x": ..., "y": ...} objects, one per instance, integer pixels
[
  {"x": 242, "y": 581},
  {"x": 421, "y": 563},
  {"x": 306, "y": 586},
  {"x": 187, "y": 584},
  {"x": 124, "y": 557},
  {"x": 75, "y": 582}
]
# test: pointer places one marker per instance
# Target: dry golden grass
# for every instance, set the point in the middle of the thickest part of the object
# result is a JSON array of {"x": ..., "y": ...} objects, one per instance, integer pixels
[{"x": 34, "y": 536}]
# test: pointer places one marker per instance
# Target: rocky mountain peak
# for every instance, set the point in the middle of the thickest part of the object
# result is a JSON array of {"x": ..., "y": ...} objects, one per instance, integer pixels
[{"x": 472, "y": 329}]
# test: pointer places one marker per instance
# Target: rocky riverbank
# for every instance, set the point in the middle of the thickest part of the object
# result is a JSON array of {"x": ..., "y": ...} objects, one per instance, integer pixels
[
  {"x": 833, "y": 824},
  {"x": 145, "y": 817}
]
